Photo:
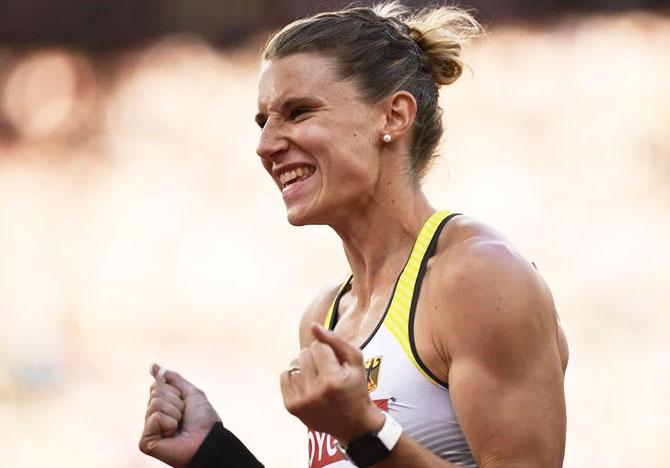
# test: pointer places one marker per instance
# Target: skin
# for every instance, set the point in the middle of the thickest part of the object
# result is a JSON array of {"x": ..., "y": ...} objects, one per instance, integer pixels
[
  {"x": 177, "y": 419},
  {"x": 486, "y": 322}
]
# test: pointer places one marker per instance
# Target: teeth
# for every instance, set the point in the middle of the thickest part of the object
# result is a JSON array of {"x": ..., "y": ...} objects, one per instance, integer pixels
[{"x": 293, "y": 174}]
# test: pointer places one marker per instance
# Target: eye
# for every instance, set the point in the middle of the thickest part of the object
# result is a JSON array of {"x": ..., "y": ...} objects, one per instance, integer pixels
[
  {"x": 297, "y": 112},
  {"x": 261, "y": 122}
]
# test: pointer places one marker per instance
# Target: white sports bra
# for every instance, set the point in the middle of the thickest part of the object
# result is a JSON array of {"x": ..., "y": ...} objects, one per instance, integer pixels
[{"x": 398, "y": 381}]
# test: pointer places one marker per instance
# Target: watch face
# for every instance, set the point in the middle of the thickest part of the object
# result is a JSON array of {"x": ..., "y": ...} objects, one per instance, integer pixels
[{"x": 367, "y": 450}]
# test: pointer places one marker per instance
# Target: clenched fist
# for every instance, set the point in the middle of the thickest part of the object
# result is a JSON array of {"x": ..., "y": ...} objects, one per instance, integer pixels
[
  {"x": 326, "y": 388},
  {"x": 177, "y": 420}
]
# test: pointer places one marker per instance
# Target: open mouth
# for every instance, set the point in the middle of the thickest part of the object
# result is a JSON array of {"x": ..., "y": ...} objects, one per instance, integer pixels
[{"x": 295, "y": 175}]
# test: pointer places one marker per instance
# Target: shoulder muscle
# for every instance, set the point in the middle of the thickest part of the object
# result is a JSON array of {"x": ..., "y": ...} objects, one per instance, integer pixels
[{"x": 498, "y": 327}]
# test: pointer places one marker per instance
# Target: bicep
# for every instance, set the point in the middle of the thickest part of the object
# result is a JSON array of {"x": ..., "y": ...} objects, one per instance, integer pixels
[
  {"x": 505, "y": 373},
  {"x": 510, "y": 417}
]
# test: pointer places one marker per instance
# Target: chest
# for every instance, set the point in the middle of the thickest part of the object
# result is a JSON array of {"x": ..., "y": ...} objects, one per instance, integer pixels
[
  {"x": 357, "y": 322},
  {"x": 360, "y": 325}
]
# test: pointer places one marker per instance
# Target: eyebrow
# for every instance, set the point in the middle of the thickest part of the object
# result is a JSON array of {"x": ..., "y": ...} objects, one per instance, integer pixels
[{"x": 290, "y": 103}]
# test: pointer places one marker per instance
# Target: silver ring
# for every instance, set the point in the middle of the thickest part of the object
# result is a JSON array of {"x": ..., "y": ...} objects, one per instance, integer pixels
[{"x": 294, "y": 369}]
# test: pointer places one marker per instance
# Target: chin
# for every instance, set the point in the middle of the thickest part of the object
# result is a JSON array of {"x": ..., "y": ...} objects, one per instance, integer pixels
[
  {"x": 293, "y": 221},
  {"x": 300, "y": 216},
  {"x": 296, "y": 219}
]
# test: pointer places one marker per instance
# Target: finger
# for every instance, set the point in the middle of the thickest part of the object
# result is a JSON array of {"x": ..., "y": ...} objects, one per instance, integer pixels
[
  {"x": 158, "y": 372},
  {"x": 173, "y": 378},
  {"x": 174, "y": 400},
  {"x": 156, "y": 384},
  {"x": 158, "y": 405},
  {"x": 296, "y": 377},
  {"x": 160, "y": 424},
  {"x": 287, "y": 390},
  {"x": 345, "y": 351},
  {"x": 325, "y": 360},
  {"x": 307, "y": 366}
]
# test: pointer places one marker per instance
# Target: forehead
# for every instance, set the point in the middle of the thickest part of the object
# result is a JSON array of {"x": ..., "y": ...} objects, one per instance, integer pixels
[{"x": 297, "y": 74}]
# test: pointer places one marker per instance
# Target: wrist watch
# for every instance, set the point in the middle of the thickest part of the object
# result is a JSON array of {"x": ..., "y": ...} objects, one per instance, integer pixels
[{"x": 373, "y": 447}]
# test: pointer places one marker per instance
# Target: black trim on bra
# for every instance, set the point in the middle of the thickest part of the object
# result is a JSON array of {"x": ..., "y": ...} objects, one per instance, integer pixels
[
  {"x": 386, "y": 311},
  {"x": 415, "y": 297},
  {"x": 336, "y": 305}
]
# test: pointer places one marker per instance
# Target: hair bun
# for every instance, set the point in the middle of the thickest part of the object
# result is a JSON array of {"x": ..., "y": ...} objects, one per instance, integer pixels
[{"x": 440, "y": 33}]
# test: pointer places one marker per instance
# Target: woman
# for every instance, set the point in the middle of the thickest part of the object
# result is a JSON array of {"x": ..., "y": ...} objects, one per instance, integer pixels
[{"x": 442, "y": 348}]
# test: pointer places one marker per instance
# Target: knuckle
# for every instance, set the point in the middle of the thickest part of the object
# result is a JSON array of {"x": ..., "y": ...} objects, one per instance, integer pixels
[
  {"x": 157, "y": 402},
  {"x": 152, "y": 407},
  {"x": 170, "y": 422},
  {"x": 291, "y": 407},
  {"x": 143, "y": 446}
]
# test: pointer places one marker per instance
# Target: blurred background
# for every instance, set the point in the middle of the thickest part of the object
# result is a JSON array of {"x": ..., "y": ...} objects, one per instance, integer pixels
[{"x": 137, "y": 225}]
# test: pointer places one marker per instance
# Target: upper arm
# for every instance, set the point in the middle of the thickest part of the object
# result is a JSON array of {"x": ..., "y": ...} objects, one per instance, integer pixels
[
  {"x": 316, "y": 312},
  {"x": 505, "y": 373}
]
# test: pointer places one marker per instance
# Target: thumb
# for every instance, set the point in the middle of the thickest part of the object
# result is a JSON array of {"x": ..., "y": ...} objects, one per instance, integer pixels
[
  {"x": 173, "y": 378},
  {"x": 345, "y": 351}
]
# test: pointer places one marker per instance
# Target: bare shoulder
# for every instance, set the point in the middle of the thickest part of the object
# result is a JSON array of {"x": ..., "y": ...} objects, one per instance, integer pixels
[
  {"x": 469, "y": 249},
  {"x": 492, "y": 321},
  {"x": 490, "y": 289},
  {"x": 316, "y": 311}
]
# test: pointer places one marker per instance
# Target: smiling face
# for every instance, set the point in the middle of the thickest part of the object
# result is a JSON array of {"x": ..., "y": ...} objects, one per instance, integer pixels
[{"x": 320, "y": 140}]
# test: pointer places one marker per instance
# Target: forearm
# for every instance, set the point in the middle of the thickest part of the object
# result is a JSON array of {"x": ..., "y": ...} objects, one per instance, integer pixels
[
  {"x": 222, "y": 449},
  {"x": 409, "y": 454}
]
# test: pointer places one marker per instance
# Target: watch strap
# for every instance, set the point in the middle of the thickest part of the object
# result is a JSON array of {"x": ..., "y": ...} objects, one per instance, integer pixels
[
  {"x": 390, "y": 432},
  {"x": 373, "y": 447}
]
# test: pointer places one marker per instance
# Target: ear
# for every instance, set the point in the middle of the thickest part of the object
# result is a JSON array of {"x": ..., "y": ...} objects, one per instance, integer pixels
[{"x": 400, "y": 112}]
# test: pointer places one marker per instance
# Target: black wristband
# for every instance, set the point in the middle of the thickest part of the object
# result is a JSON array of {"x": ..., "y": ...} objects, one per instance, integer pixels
[{"x": 221, "y": 449}]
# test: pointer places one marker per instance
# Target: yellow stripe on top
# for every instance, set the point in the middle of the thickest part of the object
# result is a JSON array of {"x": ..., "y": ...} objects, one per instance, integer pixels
[{"x": 397, "y": 318}]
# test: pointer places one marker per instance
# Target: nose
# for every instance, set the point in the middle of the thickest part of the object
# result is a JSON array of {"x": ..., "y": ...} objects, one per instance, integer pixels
[{"x": 272, "y": 140}]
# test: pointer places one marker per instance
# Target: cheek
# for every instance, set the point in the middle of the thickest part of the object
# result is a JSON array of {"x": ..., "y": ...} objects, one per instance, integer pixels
[
  {"x": 356, "y": 165},
  {"x": 313, "y": 139},
  {"x": 363, "y": 156},
  {"x": 345, "y": 153}
]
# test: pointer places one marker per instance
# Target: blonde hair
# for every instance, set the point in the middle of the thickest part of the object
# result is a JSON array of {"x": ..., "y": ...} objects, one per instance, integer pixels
[{"x": 387, "y": 48}]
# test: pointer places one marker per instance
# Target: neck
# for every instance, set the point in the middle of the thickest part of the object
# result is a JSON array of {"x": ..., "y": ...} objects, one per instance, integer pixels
[{"x": 378, "y": 239}]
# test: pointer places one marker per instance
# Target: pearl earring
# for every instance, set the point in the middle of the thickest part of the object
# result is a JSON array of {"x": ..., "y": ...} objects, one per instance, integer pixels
[{"x": 387, "y": 138}]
